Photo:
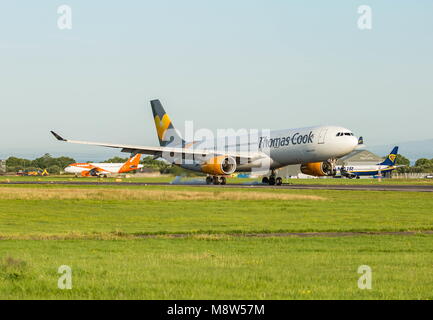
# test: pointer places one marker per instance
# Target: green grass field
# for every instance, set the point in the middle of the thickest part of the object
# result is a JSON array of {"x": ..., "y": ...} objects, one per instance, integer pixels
[
  {"x": 221, "y": 268},
  {"x": 196, "y": 243}
]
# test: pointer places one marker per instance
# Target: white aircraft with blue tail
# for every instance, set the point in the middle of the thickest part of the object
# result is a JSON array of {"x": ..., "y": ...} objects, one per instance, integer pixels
[{"x": 384, "y": 168}]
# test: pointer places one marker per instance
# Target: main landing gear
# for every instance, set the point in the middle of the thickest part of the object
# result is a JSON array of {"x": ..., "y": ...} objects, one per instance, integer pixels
[
  {"x": 216, "y": 180},
  {"x": 272, "y": 180}
]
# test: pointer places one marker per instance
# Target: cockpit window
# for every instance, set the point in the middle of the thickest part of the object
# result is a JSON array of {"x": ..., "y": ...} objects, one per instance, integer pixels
[{"x": 340, "y": 134}]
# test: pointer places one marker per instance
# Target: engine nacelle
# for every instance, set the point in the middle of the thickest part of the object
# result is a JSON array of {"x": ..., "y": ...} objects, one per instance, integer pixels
[
  {"x": 90, "y": 173},
  {"x": 86, "y": 173},
  {"x": 220, "y": 165},
  {"x": 318, "y": 169}
]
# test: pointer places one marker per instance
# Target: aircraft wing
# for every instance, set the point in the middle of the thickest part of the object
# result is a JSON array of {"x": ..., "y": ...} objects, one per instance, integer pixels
[
  {"x": 158, "y": 151},
  {"x": 97, "y": 169}
]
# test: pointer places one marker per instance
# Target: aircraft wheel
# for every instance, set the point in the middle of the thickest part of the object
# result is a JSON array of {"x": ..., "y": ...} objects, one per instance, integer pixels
[
  {"x": 265, "y": 180},
  {"x": 271, "y": 181},
  {"x": 279, "y": 181},
  {"x": 223, "y": 181},
  {"x": 358, "y": 177},
  {"x": 208, "y": 180},
  {"x": 215, "y": 181}
]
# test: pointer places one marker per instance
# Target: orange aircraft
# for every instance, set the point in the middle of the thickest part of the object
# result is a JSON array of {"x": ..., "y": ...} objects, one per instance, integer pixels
[{"x": 104, "y": 169}]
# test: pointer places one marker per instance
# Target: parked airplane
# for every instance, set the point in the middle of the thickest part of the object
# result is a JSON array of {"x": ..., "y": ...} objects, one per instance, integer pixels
[
  {"x": 104, "y": 169},
  {"x": 316, "y": 148},
  {"x": 385, "y": 167}
]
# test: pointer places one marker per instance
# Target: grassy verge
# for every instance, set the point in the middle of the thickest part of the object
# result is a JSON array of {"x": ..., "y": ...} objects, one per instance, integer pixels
[
  {"x": 44, "y": 211},
  {"x": 219, "y": 268},
  {"x": 100, "y": 232}
]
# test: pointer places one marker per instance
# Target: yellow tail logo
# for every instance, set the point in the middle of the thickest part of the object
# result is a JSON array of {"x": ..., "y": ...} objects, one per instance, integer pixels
[
  {"x": 392, "y": 157},
  {"x": 162, "y": 125}
]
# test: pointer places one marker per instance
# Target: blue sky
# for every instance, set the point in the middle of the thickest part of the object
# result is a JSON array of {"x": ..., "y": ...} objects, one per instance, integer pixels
[{"x": 235, "y": 64}]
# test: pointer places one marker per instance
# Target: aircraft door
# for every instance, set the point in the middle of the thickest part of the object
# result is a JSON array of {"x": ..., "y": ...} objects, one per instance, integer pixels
[{"x": 322, "y": 136}]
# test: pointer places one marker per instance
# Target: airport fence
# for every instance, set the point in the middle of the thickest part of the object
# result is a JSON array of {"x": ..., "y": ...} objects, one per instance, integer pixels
[{"x": 418, "y": 175}]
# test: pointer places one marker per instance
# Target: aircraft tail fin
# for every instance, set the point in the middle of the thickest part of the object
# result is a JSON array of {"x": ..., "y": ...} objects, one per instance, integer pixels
[
  {"x": 392, "y": 157},
  {"x": 167, "y": 134},
  {"x": 131, "y": 164}
]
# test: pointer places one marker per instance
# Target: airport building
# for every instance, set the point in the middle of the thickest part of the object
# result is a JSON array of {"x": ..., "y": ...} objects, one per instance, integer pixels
[
  {"x": 2, "y": 166},
  {"x": 360, "y": 157}
]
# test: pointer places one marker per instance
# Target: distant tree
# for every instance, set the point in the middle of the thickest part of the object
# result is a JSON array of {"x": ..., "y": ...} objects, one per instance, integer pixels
[
  {"x": 14, "y": 164},
  {"x": 43, "y": 162},
  {"x": 63, "y": 162},
  {"x": 162, "y": 167},
  {"x": 149, "y": 162},
  {"x": 17, "y": 163},
  {"x": 116, "y": 160},
  {"x": 423, "y": 162},
  {"x": 402, "y": 161},
  {"x": 54, "y": 169},
  {"x": 47, "y": 161},
  {"x": 423, "y": 165}
]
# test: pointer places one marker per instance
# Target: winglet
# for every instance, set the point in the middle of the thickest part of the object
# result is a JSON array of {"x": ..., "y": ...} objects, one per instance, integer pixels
[{"x": 57, "y": 136}]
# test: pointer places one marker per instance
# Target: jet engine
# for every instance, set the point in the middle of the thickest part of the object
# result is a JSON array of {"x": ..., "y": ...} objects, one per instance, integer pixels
[
  {"x": 219, "y": 165},
  {"x": 318, "y": 169},
  {"x": 90, "y": 173}
]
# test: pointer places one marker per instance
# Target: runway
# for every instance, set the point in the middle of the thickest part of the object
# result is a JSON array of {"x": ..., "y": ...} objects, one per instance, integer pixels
[{"x": 399, "y": 188}]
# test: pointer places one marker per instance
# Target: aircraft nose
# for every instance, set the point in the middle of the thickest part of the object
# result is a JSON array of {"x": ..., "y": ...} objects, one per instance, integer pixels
[{"x": 353, "y": 142}]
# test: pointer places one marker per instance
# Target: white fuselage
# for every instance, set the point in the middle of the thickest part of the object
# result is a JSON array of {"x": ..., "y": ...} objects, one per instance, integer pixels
[
  {"x": 365, "y": 170},
  {"x": 107, "y": 168},
  {"x": 284, "y": 147}
]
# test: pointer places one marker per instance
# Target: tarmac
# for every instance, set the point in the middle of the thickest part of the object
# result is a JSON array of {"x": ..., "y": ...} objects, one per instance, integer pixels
[{"x": 399, "y": 188}]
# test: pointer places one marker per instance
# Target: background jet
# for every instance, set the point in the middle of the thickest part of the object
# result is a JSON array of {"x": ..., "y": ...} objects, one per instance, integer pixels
[
  {"x": 104, "y": 169},
  {"x": 385, "y": 167}
]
